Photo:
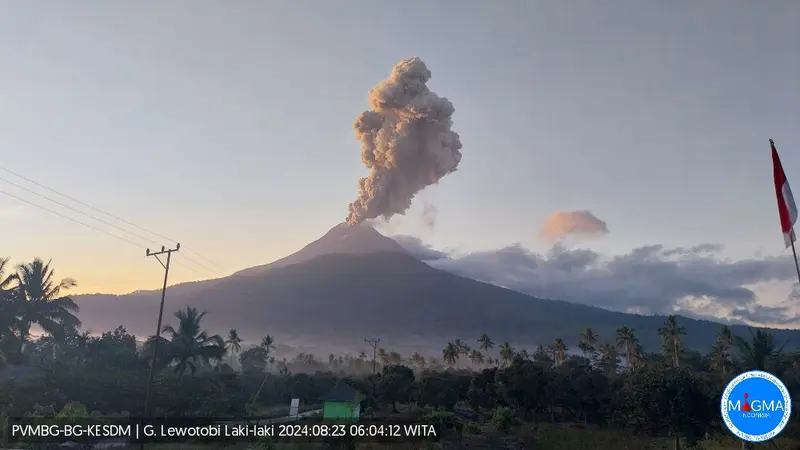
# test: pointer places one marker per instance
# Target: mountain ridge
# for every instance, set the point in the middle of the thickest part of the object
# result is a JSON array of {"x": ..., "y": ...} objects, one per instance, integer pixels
[{"x": 328, "y": 297}]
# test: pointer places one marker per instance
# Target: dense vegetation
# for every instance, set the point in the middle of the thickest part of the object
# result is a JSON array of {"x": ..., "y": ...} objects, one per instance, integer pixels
[{"x": 612, "y": 394}]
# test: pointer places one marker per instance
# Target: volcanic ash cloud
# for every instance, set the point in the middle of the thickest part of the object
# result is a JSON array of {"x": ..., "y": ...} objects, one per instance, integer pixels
[{"x": 406, "y": 142}]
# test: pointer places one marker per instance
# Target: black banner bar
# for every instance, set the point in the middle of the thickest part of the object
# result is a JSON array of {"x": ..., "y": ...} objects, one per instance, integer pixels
[{"x": 134, "y": 430}]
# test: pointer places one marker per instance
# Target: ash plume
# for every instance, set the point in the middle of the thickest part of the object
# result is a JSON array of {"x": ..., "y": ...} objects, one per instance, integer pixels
[{"x": 406, "y": 142}]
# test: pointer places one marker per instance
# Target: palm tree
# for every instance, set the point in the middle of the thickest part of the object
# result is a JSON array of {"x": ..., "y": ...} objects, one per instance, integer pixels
[
  {"x": 559, "y": 350},
  {"x": 760, "y": 352},
  {"x": 37, "y": 300},
  {"x": 450, "y": 354},
  {"x": 721, "y": 351},
  {"x": 588, "y": 342},
  {"x": 233, "y": 344},
  {"x": 626, "y": 340},
  {"x": 609, "y": 359},
  {"x": 671, "y": 339},
  {"x": 463, "y": 347},
  {"x": 190, "y": 345},
  {"x": 506, "y": 353},
  {"x": 476, "y": 357},
  {"x": 486, "y": 343},
  {"x": 268, "y": 344}
]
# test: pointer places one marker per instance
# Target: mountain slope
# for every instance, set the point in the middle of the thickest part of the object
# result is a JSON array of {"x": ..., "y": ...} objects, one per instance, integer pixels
[
  {"x": 341, "y": 239},
  {"x": 338, "y": 300}
]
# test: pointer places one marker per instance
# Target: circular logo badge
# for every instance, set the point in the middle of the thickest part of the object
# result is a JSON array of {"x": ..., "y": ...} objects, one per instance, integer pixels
[{"x": 756, "y": 406}]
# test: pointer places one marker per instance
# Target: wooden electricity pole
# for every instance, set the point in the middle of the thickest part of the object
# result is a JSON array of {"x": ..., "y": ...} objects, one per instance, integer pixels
[
  {"x": 374, "y": 343},
  {"x": 160, "y": 318}
]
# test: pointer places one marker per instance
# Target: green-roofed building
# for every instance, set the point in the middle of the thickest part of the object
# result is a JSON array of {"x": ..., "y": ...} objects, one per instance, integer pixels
[{"x": 343, "y": 402}]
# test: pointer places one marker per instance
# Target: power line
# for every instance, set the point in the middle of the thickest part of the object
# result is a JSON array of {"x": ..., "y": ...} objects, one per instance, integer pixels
[
  {"x": 105, "y": 213},
  {"x": 70, "y": 218},
  {"x": 96, "y": 218},
  {"x": 138, "y": 245},
  {"x": 91, "y": 227}
]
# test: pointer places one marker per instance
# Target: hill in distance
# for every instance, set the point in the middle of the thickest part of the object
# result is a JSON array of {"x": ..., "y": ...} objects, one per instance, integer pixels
[{"x": 355, "y": 283}]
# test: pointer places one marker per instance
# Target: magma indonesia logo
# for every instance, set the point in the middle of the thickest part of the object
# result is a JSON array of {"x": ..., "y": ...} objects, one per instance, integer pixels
[{"x": 756, "y": 406}]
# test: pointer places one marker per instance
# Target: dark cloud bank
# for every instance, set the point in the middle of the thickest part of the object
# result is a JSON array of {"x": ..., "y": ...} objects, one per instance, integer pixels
[{"x": 694, "y": 281}]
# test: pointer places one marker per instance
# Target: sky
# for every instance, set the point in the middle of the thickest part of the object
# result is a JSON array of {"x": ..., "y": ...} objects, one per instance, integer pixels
[{"x": 228, "y": 127}]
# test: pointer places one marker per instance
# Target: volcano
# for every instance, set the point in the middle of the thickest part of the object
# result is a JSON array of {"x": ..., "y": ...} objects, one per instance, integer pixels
[
  {"x": 354, "y": 283},
  {"x": 342, "y": 239}
]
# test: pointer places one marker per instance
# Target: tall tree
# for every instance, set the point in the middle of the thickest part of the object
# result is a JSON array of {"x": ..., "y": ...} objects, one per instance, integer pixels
[
  {"x": 721, "y": 351},
  {"x": 37, "y": 299},
  {"x": 671, "y": 339},
  {"x": 450, "y": 354},
  {"x": 189, "y": 345},
  {"x": 559, "y": 351},
  {"x": 608, "y": 358},
  {"x": 233, "y": 344},
  {"x": 476, "y": 357},
  {"x": 463, "y": 347},
  {"x": 486, "y": 343},
  {"x": 588, "y": 342},
  {"x": 506, "y": 353},
  {"x": 627, "y": 341},
  {"x": 760, "y": 352}
]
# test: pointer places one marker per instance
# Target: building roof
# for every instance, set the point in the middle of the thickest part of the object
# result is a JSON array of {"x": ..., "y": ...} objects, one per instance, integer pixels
[{"x": 342, "y": 392}]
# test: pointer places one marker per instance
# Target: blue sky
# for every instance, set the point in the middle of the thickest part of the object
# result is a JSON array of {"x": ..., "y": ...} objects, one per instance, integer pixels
[{"x": 228, "y": 125}]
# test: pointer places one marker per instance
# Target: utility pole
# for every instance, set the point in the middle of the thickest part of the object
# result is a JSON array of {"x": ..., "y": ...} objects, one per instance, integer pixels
[
  {"x": 160, "y": 318},
  {"x": 374, "y": 343}
]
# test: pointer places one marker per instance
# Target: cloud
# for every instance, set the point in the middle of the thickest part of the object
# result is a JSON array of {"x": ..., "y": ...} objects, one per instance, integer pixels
[
  {"x": 418, "y": 249},
  {"x": 692, "y": 281},
  {"x": 568, "y": 223}
]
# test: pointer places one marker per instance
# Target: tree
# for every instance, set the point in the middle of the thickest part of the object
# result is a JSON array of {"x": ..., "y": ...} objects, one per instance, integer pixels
[
  {"x": 463, "y": 347},
  {"x": 760, "y": 352},
  {"x": 506, "y": 353},
  {"x": 671, "y": 339},
  {"x": 418, "y": 360},
  {"x": 254, "y": 358},
  {"x": 486, "y": 343},
  {"x": 671, "y": 400},
  {"x": 396, "y": 385},
  {"x": 608, "y": 358},
  {"x": 626, "y": 340},
  {"x": 37, "y": 300},
  {"x": 189, "y": 345},
  {"x": 233, "y": 344},
  {"x": 476, "y": 357},
  {"x": 559, "y": 351},
  {"x": 450, "y": 354},
  {"x": 720, "y": 356},
  {"x": 587, "y": 342}
]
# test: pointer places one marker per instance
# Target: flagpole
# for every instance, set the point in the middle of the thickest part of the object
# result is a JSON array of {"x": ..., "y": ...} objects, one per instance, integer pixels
[
  {"x": 777, "y": 166},
  {"x": 794, "y": 253}
]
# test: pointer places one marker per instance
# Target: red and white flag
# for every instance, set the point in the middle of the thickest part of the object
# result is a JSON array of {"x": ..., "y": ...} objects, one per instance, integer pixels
[{"x": 787, "y": 210}]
